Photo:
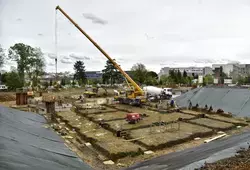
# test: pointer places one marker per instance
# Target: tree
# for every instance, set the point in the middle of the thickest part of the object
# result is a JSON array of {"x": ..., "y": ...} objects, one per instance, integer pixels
[
  {"x": 151, "y": 78},
  {"x": 94, "y": 81},
  {"x": 222, "y": 75},
  {"x": 151, "y": 81},
  {"x": 45, "y": 84},
  {"x": 184, "y": 73},
  {"x": 50, "y": 82},
  {"x": 208, "y": 79},
  {"x": 29, "y": 60},
  {"x": 13, "y": 80},
  {"x": 111, "y": 74},
  {"x": 4, "y": 78},
  {"x": 63, "y": 82},
  {"x": 152, "y": 74},
  {"x": 179, "y": 77},
  {"x": 173, "y": 76},
  {"x": 241, "y": 80},
  {"x": 2, "y": 56},
  {"x": 80, "y": 72},
  {"x": 37, "y": 67},
  {"x": 189, "y": 80},
  {"x": 247, "y": 79},
  {"x": 139, "y": 72},
  {"x": 167, "y": 80}
]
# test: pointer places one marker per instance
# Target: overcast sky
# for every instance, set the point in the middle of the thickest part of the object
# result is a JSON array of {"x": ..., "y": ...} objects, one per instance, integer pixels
[{"x": 156, "y": 33}]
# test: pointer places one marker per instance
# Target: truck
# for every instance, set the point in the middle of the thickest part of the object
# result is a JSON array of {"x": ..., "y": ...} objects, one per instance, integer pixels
[
  {"x": 3, "y": 87},
  {"x": 161, "y": 93},
  {"x": 135, "y": 95},
  {"x": 133, "y": 117}
]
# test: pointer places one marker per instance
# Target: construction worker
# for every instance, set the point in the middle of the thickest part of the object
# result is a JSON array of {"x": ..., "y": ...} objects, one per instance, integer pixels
[
  {"x": 190, "y": 105},
  {"x": 82, "y": 98},
  {"x": 172, "y": 104},
  {"x": 210, "y": 109}
]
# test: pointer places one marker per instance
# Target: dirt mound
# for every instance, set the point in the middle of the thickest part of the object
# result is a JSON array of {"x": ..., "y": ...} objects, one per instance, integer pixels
[{"x": 7, "y": 96}]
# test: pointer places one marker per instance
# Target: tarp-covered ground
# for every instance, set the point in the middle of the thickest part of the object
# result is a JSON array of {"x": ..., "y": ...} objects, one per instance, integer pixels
[
  {"x": 26, "y": 144},
  {"x": 234, "y": 100}
]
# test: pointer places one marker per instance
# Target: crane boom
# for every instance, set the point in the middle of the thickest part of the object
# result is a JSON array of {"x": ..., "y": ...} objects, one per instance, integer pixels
[{"x": 136, "y": 86}]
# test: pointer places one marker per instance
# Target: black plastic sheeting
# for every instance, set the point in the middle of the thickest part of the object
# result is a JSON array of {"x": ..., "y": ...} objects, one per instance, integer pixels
[
  {"x": 194, "y": 158},
  {"x": 232, "y": 100},
  {"x": 26, "y": 144},
  {"x": 224, "y": 154}
]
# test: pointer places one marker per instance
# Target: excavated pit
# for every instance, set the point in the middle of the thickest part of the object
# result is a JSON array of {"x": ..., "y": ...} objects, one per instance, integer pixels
[{"x": 156, "y": 131}]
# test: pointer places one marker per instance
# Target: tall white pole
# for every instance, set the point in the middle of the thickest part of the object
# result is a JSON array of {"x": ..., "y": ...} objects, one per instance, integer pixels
[{"x": 56, "y": 44}]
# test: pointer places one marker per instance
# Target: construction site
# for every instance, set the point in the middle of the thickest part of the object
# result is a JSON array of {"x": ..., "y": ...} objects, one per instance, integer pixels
[
  {"x": 99, "y": 130},
  {"x": 113, "y": 128}
]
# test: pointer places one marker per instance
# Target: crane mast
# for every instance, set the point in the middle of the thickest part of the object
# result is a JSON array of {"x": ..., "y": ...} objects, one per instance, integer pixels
[{"x": 137, "y": 88}]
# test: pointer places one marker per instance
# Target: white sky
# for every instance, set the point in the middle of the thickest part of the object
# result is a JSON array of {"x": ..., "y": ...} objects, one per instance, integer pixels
[{"x": 155, "y": 33}]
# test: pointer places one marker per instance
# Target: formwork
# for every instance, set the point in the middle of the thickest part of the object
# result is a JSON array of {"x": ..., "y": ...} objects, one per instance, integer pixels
[
  {"x": 100, "y": 138},
  {"x": 165, "y": 136}
]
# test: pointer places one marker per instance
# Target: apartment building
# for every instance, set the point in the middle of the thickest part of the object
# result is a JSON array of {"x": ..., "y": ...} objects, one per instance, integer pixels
[
  {"x": 190, "y": 70},
  {"x": 232, "y": 70}
]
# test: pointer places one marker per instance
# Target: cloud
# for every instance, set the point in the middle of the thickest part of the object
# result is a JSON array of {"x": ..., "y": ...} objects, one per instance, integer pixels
[
  {"x": 66, "y": 60},
  {"x": 204, "y": 61},
  {"x": 94, "y": 19},
  {"x": 19, "y": 19},
  {"x": 151, "y": 33},
  {"x": 79, "y": 57},
  {"x": 51, "y": 55},
  {"x": 50, "y": 64},
  {"x": 65, "y": 57},
  {"x": 149, "y": 37}
]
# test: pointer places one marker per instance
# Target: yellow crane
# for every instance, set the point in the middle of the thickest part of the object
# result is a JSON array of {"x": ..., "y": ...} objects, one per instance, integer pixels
[{"x": 136, "y": 95}]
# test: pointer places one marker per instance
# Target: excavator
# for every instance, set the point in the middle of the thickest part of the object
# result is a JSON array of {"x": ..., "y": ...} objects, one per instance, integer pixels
[{"x": 135, "y": 95}]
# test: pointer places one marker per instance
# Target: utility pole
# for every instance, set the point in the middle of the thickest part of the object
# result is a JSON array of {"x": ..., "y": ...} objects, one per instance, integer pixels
[
  {"x": 56, "y": 44},
  {"x": 56, "y": 68}
]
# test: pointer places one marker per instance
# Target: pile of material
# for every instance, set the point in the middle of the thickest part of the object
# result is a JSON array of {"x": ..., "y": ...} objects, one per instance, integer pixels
[
  {"x": 51, "y": 98},
  {"x": 7, "y": 97}
]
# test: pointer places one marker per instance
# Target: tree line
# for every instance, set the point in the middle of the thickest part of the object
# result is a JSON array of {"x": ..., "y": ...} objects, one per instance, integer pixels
[{"x": 31, "y": 64}]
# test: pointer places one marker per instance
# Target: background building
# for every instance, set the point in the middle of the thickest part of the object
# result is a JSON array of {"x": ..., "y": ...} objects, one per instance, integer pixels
[
  {"x": 207, "y": 71},
  {"x": 93, "y": 74},
  {"x": 232, "y": 70},
  {"x": 200, "y": 71}
]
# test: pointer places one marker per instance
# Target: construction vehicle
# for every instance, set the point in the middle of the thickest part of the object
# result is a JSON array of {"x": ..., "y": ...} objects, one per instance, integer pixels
[
  {"x": 134, "y": 96},
  {"x": 3, "y": 87},
  {"x": 89, "y": 94},
  {"x": 161, "y": 93},
  {"x": 133, "y": 118}
]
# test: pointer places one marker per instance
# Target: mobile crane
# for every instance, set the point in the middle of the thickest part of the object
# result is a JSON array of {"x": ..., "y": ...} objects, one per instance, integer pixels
[{"x": 134, "y": 96}]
